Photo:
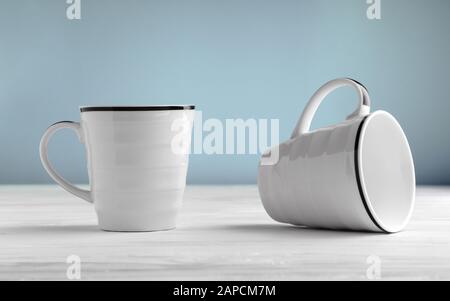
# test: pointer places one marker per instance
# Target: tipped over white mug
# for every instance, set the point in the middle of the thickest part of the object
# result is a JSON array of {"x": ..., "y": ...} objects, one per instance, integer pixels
[
  {"x": 355, "y": 175},
  {"x": 137, "y": 160}
]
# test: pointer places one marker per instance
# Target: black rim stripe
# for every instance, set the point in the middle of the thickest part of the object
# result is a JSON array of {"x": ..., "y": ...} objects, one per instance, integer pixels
[
  {"x": 357, "y": 83},
  {"x": 358, "y": 179},
  {"x": 137, "y": 108}
]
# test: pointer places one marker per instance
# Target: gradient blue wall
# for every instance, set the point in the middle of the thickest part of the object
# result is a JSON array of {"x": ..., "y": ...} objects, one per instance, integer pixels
[{"x": 232, "y": 58}]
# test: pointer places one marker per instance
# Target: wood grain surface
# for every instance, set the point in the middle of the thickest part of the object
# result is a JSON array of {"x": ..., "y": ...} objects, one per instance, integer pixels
[{"x": 223, "y": 234}]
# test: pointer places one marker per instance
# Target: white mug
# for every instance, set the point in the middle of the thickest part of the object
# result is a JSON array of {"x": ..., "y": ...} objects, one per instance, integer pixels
[
  {"x": 355, "y": 175},
  {"x": 137, "y": 159}
]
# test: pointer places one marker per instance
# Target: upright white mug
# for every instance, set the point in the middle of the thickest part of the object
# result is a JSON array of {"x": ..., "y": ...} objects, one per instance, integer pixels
[
  {"x": 137, "y": 160},
  {"x": 357, "y": 175}
]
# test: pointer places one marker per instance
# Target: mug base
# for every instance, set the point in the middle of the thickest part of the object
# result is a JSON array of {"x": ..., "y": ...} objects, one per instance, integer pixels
[
  {"x": 136, "y": 230},
  {"x": 137, "y": 222}
]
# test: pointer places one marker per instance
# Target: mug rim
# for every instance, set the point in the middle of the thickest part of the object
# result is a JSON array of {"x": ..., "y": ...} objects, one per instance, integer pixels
[
  {"x": 376, "y": 218},
  {"x": 136, "y": 108}
]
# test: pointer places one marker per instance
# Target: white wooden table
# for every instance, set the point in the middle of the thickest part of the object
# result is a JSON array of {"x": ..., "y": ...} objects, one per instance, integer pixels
[{"x": 223, "y": 234}]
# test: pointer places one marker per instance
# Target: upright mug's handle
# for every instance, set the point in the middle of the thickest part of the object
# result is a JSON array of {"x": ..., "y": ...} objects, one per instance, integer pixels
[
  {"x": 43, "y": 147},
  {"x": 363, "y": 109}
]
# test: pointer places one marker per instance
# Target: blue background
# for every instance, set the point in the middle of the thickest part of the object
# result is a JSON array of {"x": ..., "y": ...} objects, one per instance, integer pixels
[{"x": 232, "y": 58}]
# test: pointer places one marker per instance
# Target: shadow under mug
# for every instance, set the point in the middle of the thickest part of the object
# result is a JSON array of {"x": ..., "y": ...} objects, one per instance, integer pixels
[
  {"x": 137, "y": 159},
  {"x": 355, "y": 175}
]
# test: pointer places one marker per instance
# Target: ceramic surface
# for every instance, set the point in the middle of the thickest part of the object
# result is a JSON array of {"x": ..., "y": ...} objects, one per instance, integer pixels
[
  {"x": 356, "y": 175},
  {"x": 137, "y": 162}
]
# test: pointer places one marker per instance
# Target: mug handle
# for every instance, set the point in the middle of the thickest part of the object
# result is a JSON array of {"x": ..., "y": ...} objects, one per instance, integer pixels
[
  {"x": 304, "y": 123},
  {"x": 43, "y": 151}
]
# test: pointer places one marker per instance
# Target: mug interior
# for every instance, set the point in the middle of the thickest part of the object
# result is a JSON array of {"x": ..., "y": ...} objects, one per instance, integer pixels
[
  {"x": 137, "y": 108},
  {"x": 386, "y": 171}
]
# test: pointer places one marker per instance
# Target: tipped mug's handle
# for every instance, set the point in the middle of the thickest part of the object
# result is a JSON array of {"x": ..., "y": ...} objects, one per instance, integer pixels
[
  {"x": 43, "y": 150},
  {"x": 363, "y": 109}
]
